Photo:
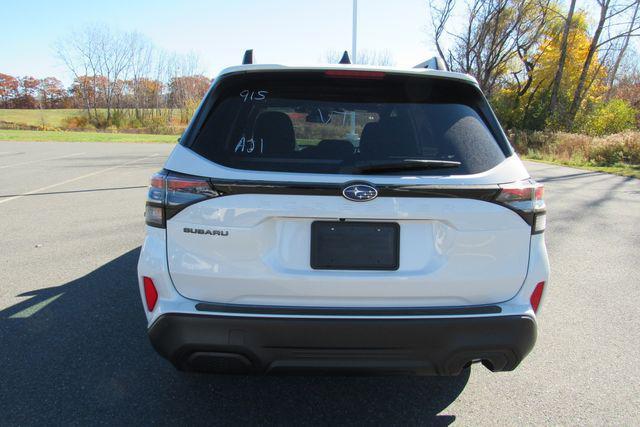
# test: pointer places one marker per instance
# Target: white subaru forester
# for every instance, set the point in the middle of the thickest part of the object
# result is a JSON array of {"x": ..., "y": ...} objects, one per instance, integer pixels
[{"x": 363, "y": 219}]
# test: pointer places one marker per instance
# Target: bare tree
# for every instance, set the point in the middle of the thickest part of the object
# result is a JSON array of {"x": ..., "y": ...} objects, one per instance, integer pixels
[
  {"x": 613, "y": 72},
  {"x": 365, "y": 56},
  {"x": 104, "y": 56},
  {"x": 608, "y": 11},
  {"x": 77, "y": 53},
  {"x": 579, "y": 92},
  {"x": 536, "y": 19},
  {"x": 113, "y": 70},
  {"x": 116, "y": 57},
  {"x": 375, "y": 57},
  {"x": 555, "y": 86},
  {"x": 141, "y": 62},
  {"x": 495, "y": 35},
  {"x": 500, "y": 42},
  {"x": 440, "y": 13}
]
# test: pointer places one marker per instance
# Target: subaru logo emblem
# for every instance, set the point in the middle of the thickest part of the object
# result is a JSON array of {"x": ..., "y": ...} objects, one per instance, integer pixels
[{"x": 360, "y": 192}]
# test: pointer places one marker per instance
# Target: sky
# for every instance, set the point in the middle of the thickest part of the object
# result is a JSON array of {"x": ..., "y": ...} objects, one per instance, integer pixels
[{"x": 279, "y": 31}]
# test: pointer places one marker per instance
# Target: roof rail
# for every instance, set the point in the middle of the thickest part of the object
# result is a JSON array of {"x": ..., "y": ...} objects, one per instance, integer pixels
[
  {"x": 248, "y": 57},
  {"x": 345, "y": 58},
  {"x": 435, "y": 63}
]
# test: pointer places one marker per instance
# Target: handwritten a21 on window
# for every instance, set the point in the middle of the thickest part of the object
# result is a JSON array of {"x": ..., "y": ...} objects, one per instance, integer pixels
[{"x": 249, "y": 146}]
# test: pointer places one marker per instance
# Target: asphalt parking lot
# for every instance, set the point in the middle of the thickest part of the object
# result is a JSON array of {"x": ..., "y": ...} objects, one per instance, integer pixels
[{"x": 73, "y": 345}]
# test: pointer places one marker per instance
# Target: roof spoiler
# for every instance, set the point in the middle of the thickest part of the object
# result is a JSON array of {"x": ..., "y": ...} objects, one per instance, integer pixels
[
  {"x": 248, "y": 57},
  {"x": 435, "y": 63}
]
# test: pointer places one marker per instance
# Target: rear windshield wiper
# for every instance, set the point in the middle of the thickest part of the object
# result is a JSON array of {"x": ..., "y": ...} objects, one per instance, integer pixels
[{"x": 405, "y": 164}]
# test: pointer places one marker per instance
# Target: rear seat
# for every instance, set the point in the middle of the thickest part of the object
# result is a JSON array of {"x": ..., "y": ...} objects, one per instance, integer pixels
[
  {"x": 393, "y": 135},
  {"x": 276, "y": 131}
]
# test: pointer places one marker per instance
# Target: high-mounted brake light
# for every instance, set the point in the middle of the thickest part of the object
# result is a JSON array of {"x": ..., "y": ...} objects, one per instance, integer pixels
[
  {"x": 169, "y": 193},
  {"x": 355, "y": 74},
  {"x": 526, "y": 198}
]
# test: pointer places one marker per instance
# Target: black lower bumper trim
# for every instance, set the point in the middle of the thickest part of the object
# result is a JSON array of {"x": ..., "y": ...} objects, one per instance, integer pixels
[{"x": 442, "y": 346}]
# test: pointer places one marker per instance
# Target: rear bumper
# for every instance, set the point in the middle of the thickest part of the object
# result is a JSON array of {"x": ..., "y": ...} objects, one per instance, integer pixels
[{"x": 440, "y": 346}]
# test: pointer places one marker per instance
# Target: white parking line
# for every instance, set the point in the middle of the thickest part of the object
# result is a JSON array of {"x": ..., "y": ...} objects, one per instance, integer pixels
[
  {"x": 11, "y": 153},
  {"x": 30, "y": 311},
  {"x": 39, "y": 160},
  {"x": 37, "y": 190}
]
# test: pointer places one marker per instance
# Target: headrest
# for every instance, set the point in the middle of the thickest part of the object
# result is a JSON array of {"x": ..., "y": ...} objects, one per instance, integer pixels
[{"x": 276, "y": 131}]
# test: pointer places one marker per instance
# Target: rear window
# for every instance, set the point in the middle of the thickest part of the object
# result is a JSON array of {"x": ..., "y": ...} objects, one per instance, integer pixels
[{"x": 318, "y": 123}]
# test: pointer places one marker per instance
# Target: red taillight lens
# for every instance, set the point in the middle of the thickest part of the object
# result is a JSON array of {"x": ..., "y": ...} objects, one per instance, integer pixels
[
  {"x": 157, "y": 181},
  {"x": 181, "y": 189},
  {"x": 539, "y": 192},
  {"x": 536, "y": 296},
  {"x": 355, "y": 74},
  {"x": 521, "y": 191},
  {"x": 525, "y": 197},
  {"x": 184, "y": 190},
  {"x": 150, "y": 293},
  {"x": 515, "y": 194}
]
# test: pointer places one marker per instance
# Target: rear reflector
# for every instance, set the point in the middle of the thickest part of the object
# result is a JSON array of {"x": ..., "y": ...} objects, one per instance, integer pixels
[
  {"x": 150, "y": 293},
  {"x": 536, "y": 296},
  {"x": 355, "y": 74}
]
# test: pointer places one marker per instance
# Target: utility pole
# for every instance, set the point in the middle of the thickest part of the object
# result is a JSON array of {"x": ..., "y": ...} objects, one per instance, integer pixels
[
  {"x": 354, "y": 36},
  {"x": 354, "y": 28}
]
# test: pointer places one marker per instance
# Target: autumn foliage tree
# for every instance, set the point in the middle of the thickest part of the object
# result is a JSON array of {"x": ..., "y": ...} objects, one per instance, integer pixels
[
  {"x": 531, "y": 111},
  {"x": 545, "y": 64},
  {"x": 185, "y": 93},
  {"x": 52, "y": 93},
  {"x": 186, "y": 88},
  {"x": 29, "y": 92},
  {"x": 8, "y": 89},
  {"x": 146, "y": 92}
]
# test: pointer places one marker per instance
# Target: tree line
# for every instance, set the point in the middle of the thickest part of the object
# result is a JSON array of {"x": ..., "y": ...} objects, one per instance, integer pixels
[
  {"x": 544, "y": 64},
  {"x": 119, "y": 79},
  {"x": 28, "y": 92},
  {"x": 547, "y": 64}
]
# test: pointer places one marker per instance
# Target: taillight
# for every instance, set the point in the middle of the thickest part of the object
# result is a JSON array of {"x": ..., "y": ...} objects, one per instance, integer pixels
[
  {"x": 526, "y": 198},
  {"x": 154, "y": 211},
  {"x": 169, "y": 193},
  {"x": 536, "y": 296}
]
